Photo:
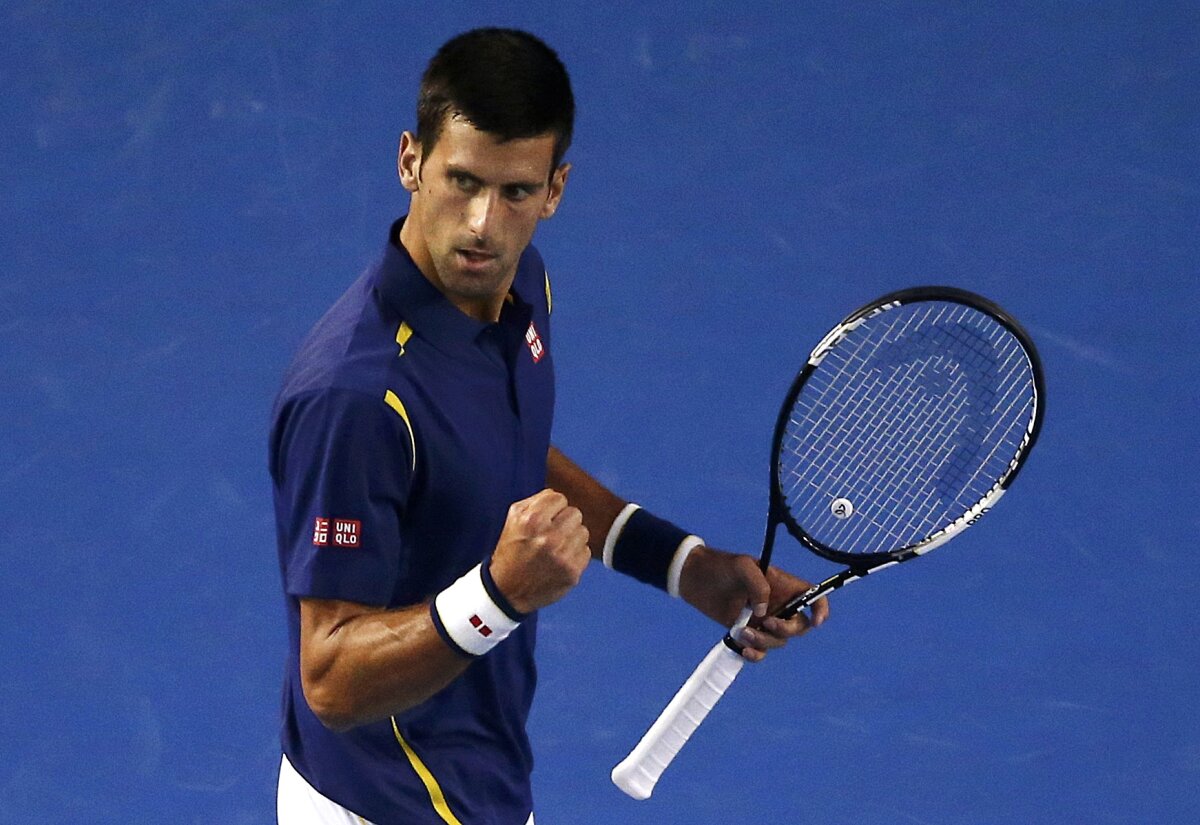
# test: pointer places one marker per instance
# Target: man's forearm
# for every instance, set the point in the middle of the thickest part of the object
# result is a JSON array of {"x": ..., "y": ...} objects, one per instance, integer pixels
[
  {"x": 360, "y": 664},
  {"x": 599, "y": 505}
]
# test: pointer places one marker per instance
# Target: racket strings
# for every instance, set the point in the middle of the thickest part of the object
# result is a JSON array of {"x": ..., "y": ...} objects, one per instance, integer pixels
[
  {"x": 872, "y": 451},
  {"x": 852, "y": 415},
  {"x": 936, "y": 467},
  {"x": 932, "y": 453},
  {"x": 945, "y": 436},
  {"x": 911, "y": 418},
  {"x": 1016, "y": 390},
  {"x": 809, "y": 405},
  {"x": 890, "y": 470}
]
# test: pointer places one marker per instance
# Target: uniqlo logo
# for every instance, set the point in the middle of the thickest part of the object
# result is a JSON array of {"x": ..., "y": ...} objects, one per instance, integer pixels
[
  {"x": 536, "y": 348},
  {"x": 340, "y": 532},
  {"x": 480, "y": 627},
  {"x": 321, "y": 532}
]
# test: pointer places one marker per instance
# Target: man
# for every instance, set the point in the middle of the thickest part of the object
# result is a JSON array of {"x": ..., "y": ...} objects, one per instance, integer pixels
[{"x": 423, "y": 515}]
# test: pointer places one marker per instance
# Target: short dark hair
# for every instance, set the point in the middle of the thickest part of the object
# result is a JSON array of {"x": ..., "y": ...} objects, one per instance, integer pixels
[{"x": 505, "y": 82}]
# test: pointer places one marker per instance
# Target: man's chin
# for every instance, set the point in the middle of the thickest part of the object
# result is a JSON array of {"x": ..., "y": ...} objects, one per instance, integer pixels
[
  {"x": 476, "y": 290},
  {"x": 478, "y": 281}
]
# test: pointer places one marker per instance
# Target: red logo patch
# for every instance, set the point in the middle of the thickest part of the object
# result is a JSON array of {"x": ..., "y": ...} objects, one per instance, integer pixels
[
  {"x": 340, "y": 532},
  {"x": 478, "y": 624},
  {"x": 536, "y": 348}
]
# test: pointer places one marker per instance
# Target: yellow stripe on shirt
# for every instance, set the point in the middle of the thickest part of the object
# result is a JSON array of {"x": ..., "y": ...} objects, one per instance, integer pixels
[
  {"x": 427, "y": 779},
  {"x": 402, "y": 335},
  {"x": 396, "y": 404}
]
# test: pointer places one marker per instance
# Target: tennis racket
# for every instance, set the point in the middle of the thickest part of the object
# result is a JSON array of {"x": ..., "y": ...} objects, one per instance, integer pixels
[{"x": 908, "y": 422}]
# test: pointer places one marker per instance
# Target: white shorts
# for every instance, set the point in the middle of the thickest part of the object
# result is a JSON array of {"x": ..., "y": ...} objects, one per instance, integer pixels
[{"x": 299, "y": 803}]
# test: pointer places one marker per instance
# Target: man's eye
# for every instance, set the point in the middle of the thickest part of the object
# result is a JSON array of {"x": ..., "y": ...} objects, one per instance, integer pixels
[
  {"x": 466, "y": 183},
  {"x": 517, "y": 193}
]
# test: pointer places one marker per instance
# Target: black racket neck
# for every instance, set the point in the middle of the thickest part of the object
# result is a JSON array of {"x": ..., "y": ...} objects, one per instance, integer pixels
[{"x": 773, "y": 521}]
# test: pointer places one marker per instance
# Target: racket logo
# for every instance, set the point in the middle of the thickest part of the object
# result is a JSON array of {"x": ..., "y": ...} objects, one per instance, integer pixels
[
  {"x": 979, "y": 515},
  {"x": 841, "y": 508}
]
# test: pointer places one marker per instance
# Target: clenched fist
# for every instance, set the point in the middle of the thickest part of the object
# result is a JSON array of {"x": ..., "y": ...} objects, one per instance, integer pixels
[{"x": 542, "y": 551}]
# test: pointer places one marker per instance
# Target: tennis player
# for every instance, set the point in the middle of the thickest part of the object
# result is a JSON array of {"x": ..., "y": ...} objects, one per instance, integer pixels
[{"x": 423, "y": 516}]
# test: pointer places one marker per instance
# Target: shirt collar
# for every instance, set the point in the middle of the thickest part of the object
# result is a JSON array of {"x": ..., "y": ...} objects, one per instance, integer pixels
[{"x": 431, "y": 315}]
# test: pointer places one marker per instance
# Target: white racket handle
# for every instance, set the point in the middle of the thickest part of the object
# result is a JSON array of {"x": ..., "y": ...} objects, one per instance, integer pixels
[{"x": 638, "y": 773}]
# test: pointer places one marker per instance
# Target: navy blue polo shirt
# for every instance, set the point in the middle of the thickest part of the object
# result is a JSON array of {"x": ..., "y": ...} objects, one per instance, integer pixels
[{"x": 403, "y": 432}]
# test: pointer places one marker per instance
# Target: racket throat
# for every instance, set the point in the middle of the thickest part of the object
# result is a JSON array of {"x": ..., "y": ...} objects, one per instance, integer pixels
[
  {"x": 773, "y": 521},
  {"x": 834, "y": 582}
]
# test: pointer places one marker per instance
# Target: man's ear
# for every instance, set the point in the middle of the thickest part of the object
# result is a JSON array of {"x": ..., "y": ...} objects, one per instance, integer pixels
[
  {"x": 558, "y": 182},
  {"x": 408, "y": 162}
]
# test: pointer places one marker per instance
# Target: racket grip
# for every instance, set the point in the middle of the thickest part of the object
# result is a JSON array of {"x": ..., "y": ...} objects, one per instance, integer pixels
[{"x": 638, "y": 772}]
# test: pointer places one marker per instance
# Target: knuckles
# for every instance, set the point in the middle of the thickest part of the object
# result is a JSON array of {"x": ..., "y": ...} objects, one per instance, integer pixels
[
  {"x": 534, "y": 515},
  {"x": 545, "y": 537}
]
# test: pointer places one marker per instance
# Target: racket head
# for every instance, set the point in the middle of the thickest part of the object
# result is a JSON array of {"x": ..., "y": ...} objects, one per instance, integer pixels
[{"x": 907, "y": 423}]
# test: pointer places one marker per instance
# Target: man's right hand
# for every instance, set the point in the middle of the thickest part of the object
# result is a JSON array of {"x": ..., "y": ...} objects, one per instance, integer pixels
[{"x": 542, "y": 552}]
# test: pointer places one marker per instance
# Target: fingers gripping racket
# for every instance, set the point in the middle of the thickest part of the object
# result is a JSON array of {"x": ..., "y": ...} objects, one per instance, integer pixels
[{"x": 907, "y": 423}]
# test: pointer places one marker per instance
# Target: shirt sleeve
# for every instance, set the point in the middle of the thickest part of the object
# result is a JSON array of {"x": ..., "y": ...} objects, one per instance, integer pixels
[{"x": 343, "y": 470}]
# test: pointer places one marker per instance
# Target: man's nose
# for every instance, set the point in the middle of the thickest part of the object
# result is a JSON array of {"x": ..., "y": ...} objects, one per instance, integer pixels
[{"x": 480, "y": 211}]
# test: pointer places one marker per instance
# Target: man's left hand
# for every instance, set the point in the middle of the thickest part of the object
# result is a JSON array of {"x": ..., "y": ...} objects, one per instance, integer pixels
[{"x": 720, "y": 584}]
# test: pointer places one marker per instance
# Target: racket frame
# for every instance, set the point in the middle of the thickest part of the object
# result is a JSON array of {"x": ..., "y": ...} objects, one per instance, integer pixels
[{"x": 863, "y": 564}]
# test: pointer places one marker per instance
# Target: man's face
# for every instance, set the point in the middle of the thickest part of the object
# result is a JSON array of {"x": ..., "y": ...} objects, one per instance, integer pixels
[{"x": 475, "y": 204}]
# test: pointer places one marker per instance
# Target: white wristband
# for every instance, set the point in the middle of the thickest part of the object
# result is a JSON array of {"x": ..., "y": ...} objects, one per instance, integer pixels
[
  {"x": 676, "y": 569},
  {"x": 469, "y": 617},
  {"x": 614, "y": 532}
]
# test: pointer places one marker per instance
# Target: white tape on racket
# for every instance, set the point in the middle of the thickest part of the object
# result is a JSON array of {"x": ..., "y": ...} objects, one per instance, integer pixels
[{"x": 638, "y": 773}]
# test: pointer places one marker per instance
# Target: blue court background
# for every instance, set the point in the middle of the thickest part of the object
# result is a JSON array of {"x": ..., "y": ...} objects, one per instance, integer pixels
[{"x": 187, "y": 187}]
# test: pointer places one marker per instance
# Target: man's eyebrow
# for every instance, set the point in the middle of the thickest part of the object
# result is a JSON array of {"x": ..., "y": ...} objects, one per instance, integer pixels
[
  {"x": 460, "y": 172},
  {"x": 533, "y": 186}
]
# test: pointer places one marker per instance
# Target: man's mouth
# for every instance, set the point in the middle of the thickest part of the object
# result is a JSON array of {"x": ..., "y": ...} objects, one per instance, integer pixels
[{"x": 475, "y": 257}]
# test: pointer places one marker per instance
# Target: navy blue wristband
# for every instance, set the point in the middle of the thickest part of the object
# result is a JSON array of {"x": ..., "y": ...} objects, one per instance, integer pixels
[{"x": 645, "y": 547}]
